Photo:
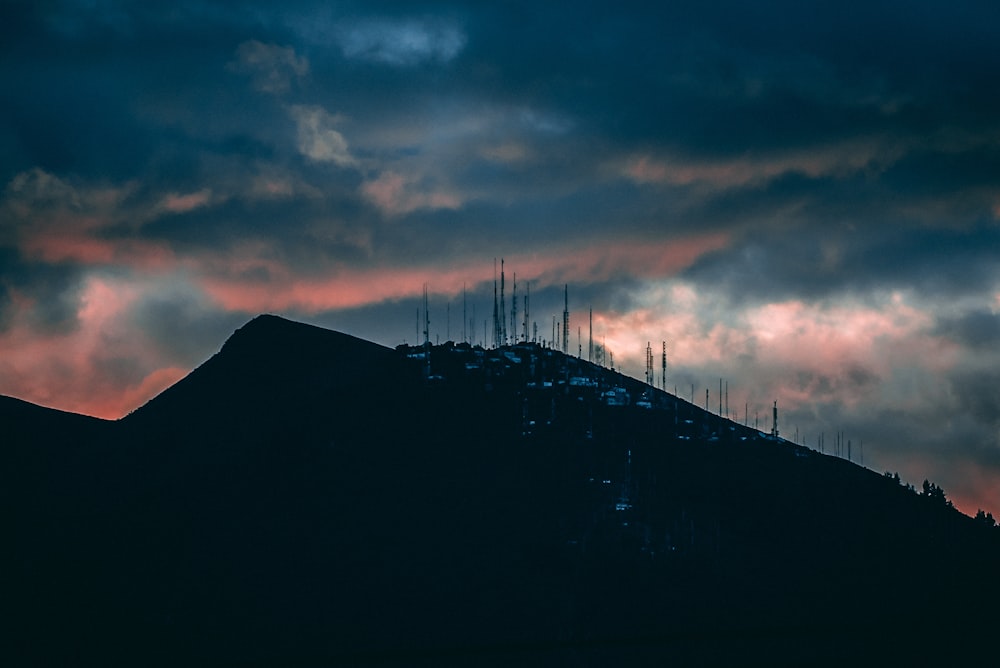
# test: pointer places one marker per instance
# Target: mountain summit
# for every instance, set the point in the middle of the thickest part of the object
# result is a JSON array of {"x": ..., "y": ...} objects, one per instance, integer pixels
[{"x": 305, "y": 497}]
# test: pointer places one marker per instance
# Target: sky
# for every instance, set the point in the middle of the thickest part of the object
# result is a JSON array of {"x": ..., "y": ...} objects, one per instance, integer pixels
[{"x": 801, "y": 199}]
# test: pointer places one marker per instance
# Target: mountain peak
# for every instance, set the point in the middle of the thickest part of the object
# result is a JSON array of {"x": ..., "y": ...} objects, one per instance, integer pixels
[
  {"x": 268, "y": 326},
  {"x": 272, "y": 355},
  {"x": 268, "y": 330}
]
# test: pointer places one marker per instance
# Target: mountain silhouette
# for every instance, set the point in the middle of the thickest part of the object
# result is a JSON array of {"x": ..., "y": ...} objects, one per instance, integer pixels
[{"x": 305, "y": 497}]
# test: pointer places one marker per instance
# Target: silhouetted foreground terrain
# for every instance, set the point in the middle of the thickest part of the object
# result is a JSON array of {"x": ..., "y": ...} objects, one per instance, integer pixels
[{"x": 308, "y": 498}]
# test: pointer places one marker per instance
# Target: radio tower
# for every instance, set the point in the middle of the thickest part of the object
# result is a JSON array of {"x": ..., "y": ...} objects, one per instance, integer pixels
[
  {"x": 513, "y": 312},
  {"x": 590, "y": 346},
  {"x": 774, "y": 423},
  {"x": 649, "y": 364},
  {"x": 527, "y": 301},
  {"x": 496, "y": 307},
  {"x": 427, "y": 320},
  {"x": 663, "y": 377},
  {"x": 503, "y": 309},
  {"x": 565, "y": 322},
  {"x": 427, "y": 333}
]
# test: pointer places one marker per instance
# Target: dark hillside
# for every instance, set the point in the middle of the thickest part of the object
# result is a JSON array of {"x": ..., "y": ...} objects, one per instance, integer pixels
[
  {"x": 267, "y": 367},
  {"x": 25, "y": 423},
  {"x": 308, "y": 498}
]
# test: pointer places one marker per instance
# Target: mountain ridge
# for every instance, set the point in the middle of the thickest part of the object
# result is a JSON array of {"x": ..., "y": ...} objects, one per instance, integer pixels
[{"x": 307, "y": 496}]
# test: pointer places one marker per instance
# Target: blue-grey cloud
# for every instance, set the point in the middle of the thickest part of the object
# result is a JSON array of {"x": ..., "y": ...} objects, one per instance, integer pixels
[{"x": 399, "y": 41}]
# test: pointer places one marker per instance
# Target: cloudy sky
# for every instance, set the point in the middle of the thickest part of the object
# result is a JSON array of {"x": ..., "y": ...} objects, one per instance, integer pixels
[{"x": 800, "y": 198}]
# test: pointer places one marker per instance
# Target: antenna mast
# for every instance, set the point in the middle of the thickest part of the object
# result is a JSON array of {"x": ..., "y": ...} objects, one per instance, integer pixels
[
  {"x": 513, "y": 312},
  {"x": 590, "y": 346},
  {"x": 496, "y": 314},
  {"x": 503, "y": 309},
  {"x": 427, "y": 332},
  {"x": 427, "y": 320},
  {"x": 649, "y": 364},
  {"x": 565, "y": 325},
  {"x": 663, "y": 378},
  {"x": 527, "y": 299}
]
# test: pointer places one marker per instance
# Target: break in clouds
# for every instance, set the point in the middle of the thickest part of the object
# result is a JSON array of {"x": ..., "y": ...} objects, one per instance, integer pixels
[{"x": 799, "y": 200}]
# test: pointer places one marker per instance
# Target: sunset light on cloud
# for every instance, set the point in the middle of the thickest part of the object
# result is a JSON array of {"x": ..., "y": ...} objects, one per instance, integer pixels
[{"x": 811, "y": 225}]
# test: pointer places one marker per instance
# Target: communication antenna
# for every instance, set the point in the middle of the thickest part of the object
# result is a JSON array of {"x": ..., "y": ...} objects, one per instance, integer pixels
[
  {"x": 427, "y": 332},
  {"x": 503, "y": 309},
  {"x": 590, "y": 346},
  {"x": 527, "y": 298},
  {"x": 513, "y": 311},
  {"x": 496, "y": 309},
  {"x": 427, "y": 320},
  {"x": 663, "y": 376},
  {"x": 774, "y": 424},
  {"x": 566, "y": 316},
  {"x": 649, "y": 364}
]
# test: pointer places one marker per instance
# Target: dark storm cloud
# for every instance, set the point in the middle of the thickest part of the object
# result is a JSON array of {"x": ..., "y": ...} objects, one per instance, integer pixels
[
  {"x": 181, "y": 98},
  {"x": 730, "y": 77},
  {"x": 852, "y": 258},
  {"x": 978, "y": 330},
  {"x": 45, "y": 294},
  {"x": 75, "y": 74},
  {"x": 977, "y": 392},
  {"x": 173, "y": 92}
]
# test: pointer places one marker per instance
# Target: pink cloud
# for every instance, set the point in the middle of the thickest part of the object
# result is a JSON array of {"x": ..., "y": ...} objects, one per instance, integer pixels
[
  {"x": 283, "y": 289},
  {"x": 177, "y": 203},
  {"x": 56, "y": 221},
  {"x": 68, "y": 371},
  {"x": 68, "y": 245},
  {"x": 801, "y": 353},
  {"x": 396, "y": 194},
  {"x": 838, "y": 159}
]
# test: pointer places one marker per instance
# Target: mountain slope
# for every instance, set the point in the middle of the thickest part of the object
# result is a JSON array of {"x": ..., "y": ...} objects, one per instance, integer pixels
[
  {"x": 267, "y": 365},
  {"x": 308, "y": 498}
]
